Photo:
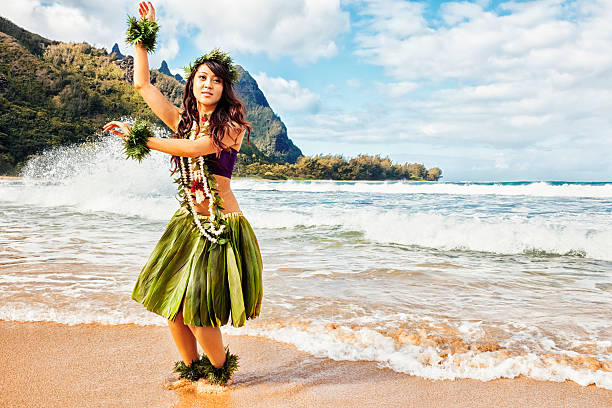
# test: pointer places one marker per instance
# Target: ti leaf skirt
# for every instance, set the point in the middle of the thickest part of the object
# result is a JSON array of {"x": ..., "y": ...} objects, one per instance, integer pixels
[{"x": 213, "y": 279}]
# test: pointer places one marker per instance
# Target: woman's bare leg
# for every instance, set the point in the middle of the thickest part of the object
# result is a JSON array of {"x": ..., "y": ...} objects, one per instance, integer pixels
[
  {"x": 184, "y": 339},
  {"x": 211, "y": 341},
  {"x": 185, "y": 336}
]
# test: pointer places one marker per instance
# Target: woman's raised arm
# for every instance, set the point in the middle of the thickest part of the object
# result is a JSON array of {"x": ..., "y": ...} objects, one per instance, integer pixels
[{"x": 158, "y": 103}]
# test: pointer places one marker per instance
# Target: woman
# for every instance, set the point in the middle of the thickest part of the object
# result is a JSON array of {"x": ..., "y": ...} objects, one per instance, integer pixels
[{"x": 203, "y": 266}]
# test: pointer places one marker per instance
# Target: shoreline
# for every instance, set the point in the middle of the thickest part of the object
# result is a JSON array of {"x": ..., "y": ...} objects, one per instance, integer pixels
[
  {"x": 370, "y": 181},
  {"x": 277, "y": 180},
  {"x": 53, "y": 364},
  {"x": 306, "y": 179}
]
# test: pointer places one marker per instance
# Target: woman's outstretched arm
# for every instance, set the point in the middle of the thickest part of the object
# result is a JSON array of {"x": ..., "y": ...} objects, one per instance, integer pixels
[
  {"x": 158, "y": 103},
  {"x": 179, "y": 147}
]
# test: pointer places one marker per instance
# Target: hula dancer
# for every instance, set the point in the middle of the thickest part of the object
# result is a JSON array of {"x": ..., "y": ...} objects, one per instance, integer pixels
[{"x": 207, "y": 264}]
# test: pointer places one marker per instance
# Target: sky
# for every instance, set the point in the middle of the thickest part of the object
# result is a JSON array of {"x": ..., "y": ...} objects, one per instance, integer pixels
[{"x": 485, "y": 90}]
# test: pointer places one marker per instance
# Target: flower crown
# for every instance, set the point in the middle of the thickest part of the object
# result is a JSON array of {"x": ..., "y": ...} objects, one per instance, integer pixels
[{"x": 215, "y": 55}]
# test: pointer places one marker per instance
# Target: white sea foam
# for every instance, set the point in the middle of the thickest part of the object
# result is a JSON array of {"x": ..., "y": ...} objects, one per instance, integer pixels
[
  {"x": 350, "y": 344},
  {"x": 96, "y": 177},
  {"x": 345, "y": 343},
  {"x": 502, "y": 235},
  {"x": 589, "y": 236},
  {"x": 84, "y": 314},
  {"x": 535, "y": 189}
]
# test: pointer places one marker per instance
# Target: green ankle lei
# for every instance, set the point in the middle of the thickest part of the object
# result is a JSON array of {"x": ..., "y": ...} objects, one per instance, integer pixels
[{"x": 203, "y": 368}]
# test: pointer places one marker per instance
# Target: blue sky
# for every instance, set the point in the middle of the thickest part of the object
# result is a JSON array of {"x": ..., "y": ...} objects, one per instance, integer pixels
[{"x": 485, "y": 90}]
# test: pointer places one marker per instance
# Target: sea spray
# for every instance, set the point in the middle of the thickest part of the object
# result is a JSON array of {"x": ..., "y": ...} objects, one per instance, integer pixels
[{"x": 96, "y": 177}]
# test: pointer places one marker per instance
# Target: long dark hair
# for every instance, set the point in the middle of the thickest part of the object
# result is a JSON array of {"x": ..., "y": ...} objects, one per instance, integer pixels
[{"x": 229, "y": 109}]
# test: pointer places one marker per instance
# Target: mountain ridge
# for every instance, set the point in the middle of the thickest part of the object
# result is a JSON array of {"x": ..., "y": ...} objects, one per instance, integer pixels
[{"x": 54, "y": 93}]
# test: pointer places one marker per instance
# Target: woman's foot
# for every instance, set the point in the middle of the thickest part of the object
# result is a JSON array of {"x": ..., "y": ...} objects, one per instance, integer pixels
[{"x": 203, "y": 368}]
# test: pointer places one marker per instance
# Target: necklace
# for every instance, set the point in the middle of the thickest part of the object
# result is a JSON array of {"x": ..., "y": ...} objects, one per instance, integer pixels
[{"x": 197, "y": 180}]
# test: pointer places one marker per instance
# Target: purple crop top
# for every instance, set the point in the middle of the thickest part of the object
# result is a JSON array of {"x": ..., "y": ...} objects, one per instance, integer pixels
[{"x": 224, "y": 165}]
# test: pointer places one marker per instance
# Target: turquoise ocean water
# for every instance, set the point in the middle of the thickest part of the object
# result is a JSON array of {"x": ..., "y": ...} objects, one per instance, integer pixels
[{"x": 441, "y": 280}]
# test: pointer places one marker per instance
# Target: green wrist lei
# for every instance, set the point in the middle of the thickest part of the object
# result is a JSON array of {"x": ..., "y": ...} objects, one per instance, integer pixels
[
  {"x": 142, "y": 31},
  {"x": 135, "y": 147}
]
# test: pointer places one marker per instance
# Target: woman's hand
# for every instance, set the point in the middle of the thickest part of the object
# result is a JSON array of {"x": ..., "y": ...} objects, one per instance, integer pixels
[
  {"x": 121, "y": 129},
  {"x": 146, "y": 10}
]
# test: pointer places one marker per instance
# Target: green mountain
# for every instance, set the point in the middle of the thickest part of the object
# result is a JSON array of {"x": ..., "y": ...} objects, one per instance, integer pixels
[
  {"x": 165, "y": 70},
  {"x": 271, "y": 133},
  {"x": 54, "y": 93}
]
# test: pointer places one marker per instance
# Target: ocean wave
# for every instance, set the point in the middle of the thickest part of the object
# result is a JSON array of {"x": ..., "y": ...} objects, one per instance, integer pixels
[
  {"x": 535, "y": 189},
  {"x": 456, "y": 354},
  {"x": 420, "y": 354},
  {"x": 505, "y": 234},
  {"x": 96, "y": 177},
  {"x": 501, "y": 235}
]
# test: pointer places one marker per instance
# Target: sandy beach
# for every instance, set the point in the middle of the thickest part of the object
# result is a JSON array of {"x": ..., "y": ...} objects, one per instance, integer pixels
[{"x": 89, "y": 365}]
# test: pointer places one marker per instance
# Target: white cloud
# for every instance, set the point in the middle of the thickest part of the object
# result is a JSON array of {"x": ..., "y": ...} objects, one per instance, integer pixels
[
  {"x": 287, "y": 95},
  {"x": 386, "y": 89},
  {"x": 99, "y": 23},
  {"x": 453, "y": 13},
  {"x": 397, "y": 89},
  {"x": 69, "y": 21},
  {"x": 500, "y": 161},
  {"x": 179, "y": 71},
  {"x": 304, "y": 30},
  {"x": 475, "y": 42},
  {"x": 534, "y": 77}
]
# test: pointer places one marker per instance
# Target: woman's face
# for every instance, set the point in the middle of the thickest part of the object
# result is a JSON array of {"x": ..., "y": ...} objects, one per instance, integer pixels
[{"x": 207, "y": 87}]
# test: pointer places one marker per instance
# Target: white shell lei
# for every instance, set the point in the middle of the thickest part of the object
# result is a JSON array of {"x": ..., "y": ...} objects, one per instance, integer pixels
[{"x": 192, "y": 169}]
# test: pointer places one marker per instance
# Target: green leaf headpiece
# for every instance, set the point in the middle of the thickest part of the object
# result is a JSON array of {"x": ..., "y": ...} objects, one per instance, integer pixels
[{"x": 215, "y": 55}]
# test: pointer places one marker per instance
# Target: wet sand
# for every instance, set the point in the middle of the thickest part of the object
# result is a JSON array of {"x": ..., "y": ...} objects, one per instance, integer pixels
[{"x": 54, "y": 365}]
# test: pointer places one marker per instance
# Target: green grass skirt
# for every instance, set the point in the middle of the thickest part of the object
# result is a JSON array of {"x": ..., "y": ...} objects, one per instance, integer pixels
[{"x": 214, "y": 279}]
